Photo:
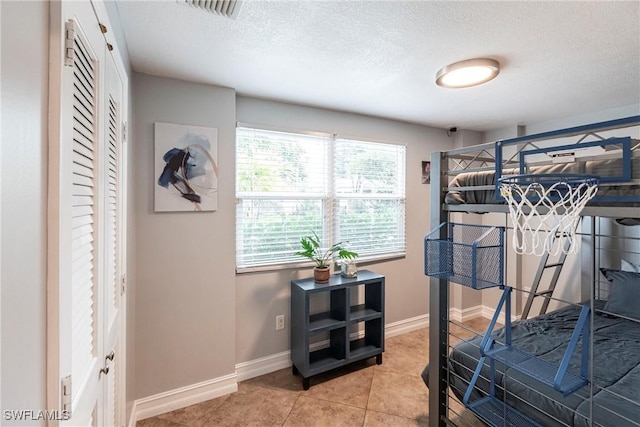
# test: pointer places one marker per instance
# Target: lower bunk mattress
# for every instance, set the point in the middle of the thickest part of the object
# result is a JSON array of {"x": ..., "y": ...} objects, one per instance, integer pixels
[{"x": 612, "y": 398}]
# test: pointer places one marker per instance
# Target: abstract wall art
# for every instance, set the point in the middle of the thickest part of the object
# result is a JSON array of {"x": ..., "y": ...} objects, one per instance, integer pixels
[
  {"x": 186, "y": 169},
  {"x": 426, "y": 172}
]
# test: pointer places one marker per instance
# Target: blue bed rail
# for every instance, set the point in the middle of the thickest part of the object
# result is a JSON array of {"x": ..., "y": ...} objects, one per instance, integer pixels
[
  {"x": 625, "y": 143},
  {"x": 496, "y": 412}
]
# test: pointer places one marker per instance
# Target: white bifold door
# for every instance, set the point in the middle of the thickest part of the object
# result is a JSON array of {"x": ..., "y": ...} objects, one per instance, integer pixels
[{"x": 86, "y": 222}]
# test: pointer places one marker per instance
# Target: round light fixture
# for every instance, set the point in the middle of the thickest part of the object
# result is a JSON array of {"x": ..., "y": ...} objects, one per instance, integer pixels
[{"x": 471, "y": 72}]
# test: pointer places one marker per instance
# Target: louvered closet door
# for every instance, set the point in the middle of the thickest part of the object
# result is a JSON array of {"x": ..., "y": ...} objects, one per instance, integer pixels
[
  {"x": 85, "y": 226},
  {"x": 81, "y": 170},
  {"x": 112, "y": 159}
]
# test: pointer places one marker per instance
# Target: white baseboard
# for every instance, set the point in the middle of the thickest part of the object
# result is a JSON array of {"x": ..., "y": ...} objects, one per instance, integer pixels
[
  {"x": 264, "y": 365},
  {"x": 132, "y": 416},
  {"x": 488, "y": 312},
  {"x": 185, "y": 396},
  {"x": 190, "y": 395},
  {"x": 466, "y": 314},
  {"x": 405, "y": 326}
]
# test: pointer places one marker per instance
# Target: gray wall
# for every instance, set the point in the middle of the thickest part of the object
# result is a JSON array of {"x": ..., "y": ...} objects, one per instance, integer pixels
[
  {"x": 262, "y": 296},
  {"x": 185, "y": 262},
  {"x": 190, "y": 304},
  {"x": 24, "y": 88},
  {"x": 463, "y": 297}
]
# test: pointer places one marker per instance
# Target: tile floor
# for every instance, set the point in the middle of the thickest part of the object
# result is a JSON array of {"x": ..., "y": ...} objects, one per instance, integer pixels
[{"x": 362, "y": 394}]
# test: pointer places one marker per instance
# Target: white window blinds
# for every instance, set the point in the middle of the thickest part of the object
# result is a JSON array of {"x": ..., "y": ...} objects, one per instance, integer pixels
[
  {"x": 369, "y": 197},
  {"x": 290, "y": 185}
]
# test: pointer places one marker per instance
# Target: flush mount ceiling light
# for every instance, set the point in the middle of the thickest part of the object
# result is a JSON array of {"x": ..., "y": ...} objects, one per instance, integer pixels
[{"x": 471, "y": 72}]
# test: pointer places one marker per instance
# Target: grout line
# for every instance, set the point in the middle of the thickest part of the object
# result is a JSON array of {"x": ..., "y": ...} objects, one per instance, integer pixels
[
  {"x": 291, "y": 410},
  {"x": 336, "y": 403}
]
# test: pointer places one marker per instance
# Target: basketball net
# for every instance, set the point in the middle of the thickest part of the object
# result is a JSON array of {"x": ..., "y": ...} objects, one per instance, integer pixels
[{"x": 544, "y": 208}]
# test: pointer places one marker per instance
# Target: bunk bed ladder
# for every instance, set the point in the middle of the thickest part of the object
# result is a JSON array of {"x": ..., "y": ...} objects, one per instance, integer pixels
[
  {"x": 496, "y": 412},
  {"x": 534, "y": 293},
  {"x": 489, "y": 408}
]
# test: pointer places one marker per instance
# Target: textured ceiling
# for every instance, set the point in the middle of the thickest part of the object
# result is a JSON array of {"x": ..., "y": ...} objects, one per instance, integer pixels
[{"x": 380, "y": 57}]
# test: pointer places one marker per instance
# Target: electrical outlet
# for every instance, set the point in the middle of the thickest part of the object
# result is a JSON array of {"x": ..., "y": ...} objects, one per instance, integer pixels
[{"x": 279, "y": 322}]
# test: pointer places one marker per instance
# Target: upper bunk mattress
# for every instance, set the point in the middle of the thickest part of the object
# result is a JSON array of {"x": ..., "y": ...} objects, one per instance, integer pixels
[{"x": 610, "y": 167}]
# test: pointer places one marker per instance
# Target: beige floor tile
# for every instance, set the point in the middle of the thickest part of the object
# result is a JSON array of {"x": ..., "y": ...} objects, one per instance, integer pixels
[
  {"x": 462, "y": 416},
  {"x": 379, "y": 419},
  {"x": 195, "y": 415},
  {"x": 309, "y": 412},
  {"x": 254, "y": 406},
  {"x": 350, "y": 388},
  {"x": 399, "y": 359},
  {"x": 470, "y": 329},
  {"x": 157, "y": 422},
  {"x": 393, "y": 394},
  {"x": 398, "y": 394},
  {"x": 280, "y": 380},
  {"x": 416, "y": 342}
]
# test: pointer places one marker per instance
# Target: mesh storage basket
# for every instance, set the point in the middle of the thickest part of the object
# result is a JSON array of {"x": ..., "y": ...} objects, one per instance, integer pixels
[{"x": 472, "y": 255}]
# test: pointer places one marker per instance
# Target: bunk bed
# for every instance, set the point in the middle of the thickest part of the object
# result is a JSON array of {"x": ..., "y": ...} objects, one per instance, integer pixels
[{"x": 606, "y": 352}]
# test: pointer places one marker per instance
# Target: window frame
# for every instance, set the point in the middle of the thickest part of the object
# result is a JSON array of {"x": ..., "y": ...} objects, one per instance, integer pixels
[{"x": 328, "y": 200}]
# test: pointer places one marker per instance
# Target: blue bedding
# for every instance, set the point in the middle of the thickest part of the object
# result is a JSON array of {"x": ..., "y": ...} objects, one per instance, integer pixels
[{"x": 612, "y": 398}]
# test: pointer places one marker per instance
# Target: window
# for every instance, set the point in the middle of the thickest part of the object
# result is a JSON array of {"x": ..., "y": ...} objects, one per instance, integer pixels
[{"x": 288, "y": 185}]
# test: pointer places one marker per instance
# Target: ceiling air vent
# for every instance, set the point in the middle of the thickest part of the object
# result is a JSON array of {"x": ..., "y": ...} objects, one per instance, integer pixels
[{"x": 228, "y": 8}]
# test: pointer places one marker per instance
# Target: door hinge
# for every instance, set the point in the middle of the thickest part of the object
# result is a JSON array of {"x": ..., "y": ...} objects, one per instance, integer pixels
[
  {"x": 66, "y": 395},
  {"x": 123, "y": 281},
  {"x": 124, "y": 131},
  {"x": 69, "y": 36}
]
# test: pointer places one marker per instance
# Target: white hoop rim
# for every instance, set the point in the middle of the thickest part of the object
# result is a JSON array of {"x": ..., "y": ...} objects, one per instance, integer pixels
[{"x": 561, "y": 197}]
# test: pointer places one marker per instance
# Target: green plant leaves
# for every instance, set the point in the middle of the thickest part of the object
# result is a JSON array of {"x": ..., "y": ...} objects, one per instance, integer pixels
[{"x": 313, "y": 251}]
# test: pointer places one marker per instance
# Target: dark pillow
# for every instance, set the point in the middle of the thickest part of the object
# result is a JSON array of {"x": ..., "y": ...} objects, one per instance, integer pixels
[{"x": 624, "y": 296}]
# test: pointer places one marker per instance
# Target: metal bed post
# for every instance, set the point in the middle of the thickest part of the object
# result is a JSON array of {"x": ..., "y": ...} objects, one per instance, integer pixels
[
  {"x": 443, "y": 365},
  {"x": 438, "y": 307}
]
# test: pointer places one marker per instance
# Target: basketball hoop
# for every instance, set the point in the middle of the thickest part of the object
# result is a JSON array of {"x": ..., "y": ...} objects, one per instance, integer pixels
[{"x": 546, "y": 207}]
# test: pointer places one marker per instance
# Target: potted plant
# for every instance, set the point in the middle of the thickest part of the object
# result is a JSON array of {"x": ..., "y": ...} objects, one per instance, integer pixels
[{"x": 322, "y": 257}]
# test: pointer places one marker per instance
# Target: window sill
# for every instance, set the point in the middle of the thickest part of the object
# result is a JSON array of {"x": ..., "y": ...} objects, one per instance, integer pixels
[{"x": 308, "y": 265}]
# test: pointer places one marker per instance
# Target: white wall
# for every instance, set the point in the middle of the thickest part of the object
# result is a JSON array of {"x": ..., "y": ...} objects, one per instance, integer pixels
[
  {"x": 560, "y": 123},
  {"x": 24, "y": 82},
  {"x": 262, "y": 296},
  {"x": 185, "y": 285}
]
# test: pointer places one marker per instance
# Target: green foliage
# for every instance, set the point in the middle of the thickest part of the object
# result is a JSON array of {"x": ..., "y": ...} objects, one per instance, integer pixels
[
  {"x": 321, "y": 257},
  {"x": 282, "y": 196}
]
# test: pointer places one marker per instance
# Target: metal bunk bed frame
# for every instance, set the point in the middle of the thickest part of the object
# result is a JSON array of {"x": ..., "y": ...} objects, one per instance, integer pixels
[{"x": 481, "y": 158}]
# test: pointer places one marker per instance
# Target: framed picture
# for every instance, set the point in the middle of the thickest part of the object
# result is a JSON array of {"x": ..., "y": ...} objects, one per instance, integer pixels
[
  {"x": 426, "y": 172},
  {"x": 186, "y": 168}
]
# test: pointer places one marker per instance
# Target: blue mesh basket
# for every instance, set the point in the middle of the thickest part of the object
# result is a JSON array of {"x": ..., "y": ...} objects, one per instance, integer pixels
[{"x": 472, "y": 255}]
